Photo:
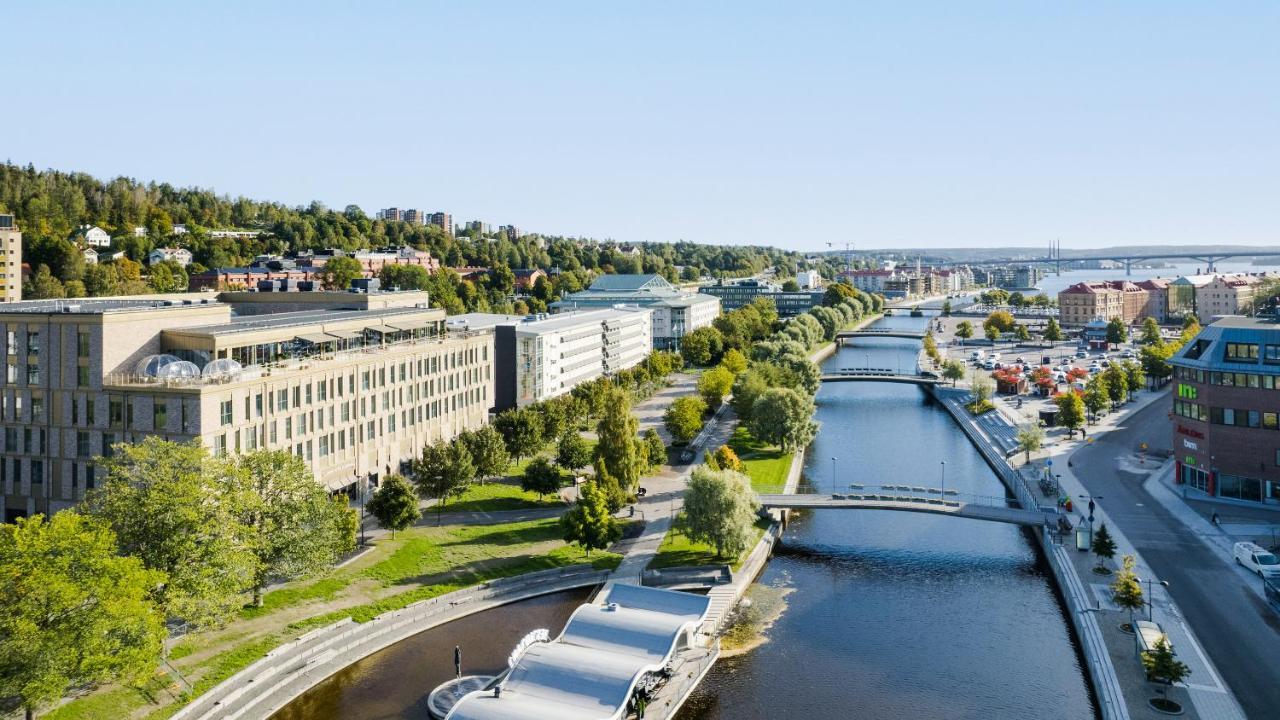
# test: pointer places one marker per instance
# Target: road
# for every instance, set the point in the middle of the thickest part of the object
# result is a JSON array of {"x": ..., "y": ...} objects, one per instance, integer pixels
[{"x": 1237, "y": 629}]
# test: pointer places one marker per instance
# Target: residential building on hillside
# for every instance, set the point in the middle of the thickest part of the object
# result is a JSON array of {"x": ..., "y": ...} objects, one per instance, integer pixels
[
  {"x": 444, "y": 221},
  {"x": 676, "y": 312},
  {"x": 526, "y": 278},
  {"x": 808, "y": 279},
  {"x": 90, "y": 256},
  {"x": 1226, "y": 411},
  {"x": 355, "y": 393},
  {"x": 182, "y": 256},
  {"x": 744, "y": 292},
  {"x": 414, "y": 217},
  {"x": 390, "y": 214},
  {"x": 1085, "y": 301},
  {"x": 538, "y": 357},
  {"x": 480, "y": 226},
  {"x": 511, "y": 231},
  {"x": 10, "y": 260},
  {"x": 93, "y": 236},
  {"x": 871, "y": 281}
]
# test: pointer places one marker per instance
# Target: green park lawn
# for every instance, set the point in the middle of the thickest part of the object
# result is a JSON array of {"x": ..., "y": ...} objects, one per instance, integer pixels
[
  {"x": 767, "y": 465},
  {"x": 677, "y": 550},
  {"x": 501, "y": 495}
]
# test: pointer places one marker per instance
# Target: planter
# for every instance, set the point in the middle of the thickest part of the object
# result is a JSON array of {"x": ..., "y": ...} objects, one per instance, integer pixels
[
  {"x": 1165, "y": 706},
  {"x": 1101, "y": 571}
]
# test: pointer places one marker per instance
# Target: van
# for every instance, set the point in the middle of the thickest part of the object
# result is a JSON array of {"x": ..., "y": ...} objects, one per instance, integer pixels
[
  {"x": 976, "y": 355},
  {"x": 995, "y": 356},
  {"x": 1256, "y": 560}
]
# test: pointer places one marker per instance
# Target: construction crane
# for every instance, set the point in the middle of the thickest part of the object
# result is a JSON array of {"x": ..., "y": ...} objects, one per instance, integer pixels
[{"x": 848, "y": 254}]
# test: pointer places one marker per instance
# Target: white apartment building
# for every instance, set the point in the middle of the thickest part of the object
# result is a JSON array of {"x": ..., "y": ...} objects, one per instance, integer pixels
[
  {"x": 10, "y": 260},
  {"x": 354, "y": 392},
  {"x": 182, "y": 256},
  {"x": 808, "y": 279},
  {"x": 541, "y": 356}
]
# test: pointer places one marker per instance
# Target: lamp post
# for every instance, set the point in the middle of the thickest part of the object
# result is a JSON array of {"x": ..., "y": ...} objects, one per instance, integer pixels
[
  {"x": 1151, "y": 601},
  {"x": 943, "y": 465},
  {"x": 364, "y": 492},
  {"x": 833, "y": 475}
]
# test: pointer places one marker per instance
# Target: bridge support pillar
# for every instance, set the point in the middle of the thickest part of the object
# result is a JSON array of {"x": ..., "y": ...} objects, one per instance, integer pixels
[{"x": 1128, "y": 266}]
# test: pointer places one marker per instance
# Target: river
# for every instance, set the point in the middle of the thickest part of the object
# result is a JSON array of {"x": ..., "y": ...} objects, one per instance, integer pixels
[{"x": 901, "y": 615}]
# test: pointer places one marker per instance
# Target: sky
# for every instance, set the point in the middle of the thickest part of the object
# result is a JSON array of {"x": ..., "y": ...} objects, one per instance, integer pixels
[{"x": 794, "y": 124}]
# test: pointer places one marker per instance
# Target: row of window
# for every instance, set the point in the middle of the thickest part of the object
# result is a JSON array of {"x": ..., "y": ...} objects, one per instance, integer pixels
[
  {"x": 1248, "y": 353},
  {"x": 1227, "y": 416},
  {"x": 1228, "y": 379}
]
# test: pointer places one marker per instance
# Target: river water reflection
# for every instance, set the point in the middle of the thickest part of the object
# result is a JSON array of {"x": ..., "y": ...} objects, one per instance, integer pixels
[{"x": 901, "y": 615}]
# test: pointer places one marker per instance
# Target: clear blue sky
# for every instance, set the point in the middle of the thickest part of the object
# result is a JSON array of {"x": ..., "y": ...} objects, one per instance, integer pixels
[{"x": 887, "y": 124}]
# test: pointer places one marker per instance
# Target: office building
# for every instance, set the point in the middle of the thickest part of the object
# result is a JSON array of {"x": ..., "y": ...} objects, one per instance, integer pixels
[
  {"x": 538, "y": 357},
  {"x": 808, "y": 279},
  {"x": 10, "y": 260},
  {"x": 789, "y": 303},
  {"x": 354, "y": 390},
  {"x": 676, "y": 312},
  {"x": 1226, "y": 405}
]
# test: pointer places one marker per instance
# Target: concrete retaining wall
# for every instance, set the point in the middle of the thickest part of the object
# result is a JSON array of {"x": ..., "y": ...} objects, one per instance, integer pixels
[{"x": 286, "y": 672}]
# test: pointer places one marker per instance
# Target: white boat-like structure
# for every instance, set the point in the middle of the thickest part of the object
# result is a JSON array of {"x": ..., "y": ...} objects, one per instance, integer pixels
[{"x": 592, "y": 669}]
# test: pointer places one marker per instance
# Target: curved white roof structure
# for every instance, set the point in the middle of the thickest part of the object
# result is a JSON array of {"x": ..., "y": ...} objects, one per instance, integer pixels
[{"x": 590, "y": 671}]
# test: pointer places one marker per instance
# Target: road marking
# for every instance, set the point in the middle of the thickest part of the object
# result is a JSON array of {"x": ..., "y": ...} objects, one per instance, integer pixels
[{"x": 1208, "y": 666}]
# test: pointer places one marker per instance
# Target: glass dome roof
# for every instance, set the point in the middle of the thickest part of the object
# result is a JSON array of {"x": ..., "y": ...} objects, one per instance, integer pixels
[{"x": 150, "y": 365}]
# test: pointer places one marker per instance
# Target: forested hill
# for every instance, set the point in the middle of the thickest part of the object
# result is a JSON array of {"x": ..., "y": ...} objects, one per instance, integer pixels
[{"x": 50, "y": 205}]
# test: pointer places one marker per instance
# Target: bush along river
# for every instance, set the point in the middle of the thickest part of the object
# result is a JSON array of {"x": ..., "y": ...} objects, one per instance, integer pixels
[{"x": 888, "y": 615}]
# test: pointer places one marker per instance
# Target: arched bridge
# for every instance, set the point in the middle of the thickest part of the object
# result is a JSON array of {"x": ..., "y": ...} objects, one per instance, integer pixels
[
  {"x": 886, "y": 333},
  {"x": 879, "y": 375},
  {"x": 919, "y": 500}
]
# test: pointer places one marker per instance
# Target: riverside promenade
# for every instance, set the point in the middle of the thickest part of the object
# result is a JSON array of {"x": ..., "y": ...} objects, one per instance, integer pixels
[{"x": 1114, "y": 666}]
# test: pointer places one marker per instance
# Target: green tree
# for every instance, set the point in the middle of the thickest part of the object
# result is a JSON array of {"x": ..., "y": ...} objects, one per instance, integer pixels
[
  {"x": 1117, "y": 383},
  {"x": 521, "y": 429},
  {"x": 724, "y": 458},
  {"x": 76, "y": 612},
  {"x": 953, "y": 370},
  {"x": 783, "y": 417},
  {"x": 734, "y": 361},
  {"x": 618, "y": 458},
  {"x": 395, "y": 504},
  {"x": 946, "y": 308},
  {"x": 683, "y": 418},
  {"x": 1030, "y": 438},
  {"x": 43, "y": 285},
  {"x": 1126, "y": 591},
  {"x": 99, "y": 280},
  {"x": 541, "y": 476},
  {"x": 488, "y": 452},
  {"x": 590, "y": 523},
  {"x": 444, "y": 471},
  {"x": 746, "y": 388},
  {"x": 964, "y": 330},
  {"x": 573, "y": 451},
  {"x": 338, "y": 272},
  {"x": 168, "y": 277},
  {"x": 1155, "y": 360},
  {"x": 1020, "y": 331},
  {"x": 655, "y": 450},
  {"x": 720, "y": 510},
  {"x": 702, "y": 347},
  {"x": 179, "y": 512},
  {"x": 1097, "y": 395},
  {"x": 991, "y": 332},
  {"x": 1104, "y": 546},
  {"x": 1117, "y": 331},
  {"x": 1162, "y": 664},
  {"x": 1001, "y": 320},
  {"x": 1053, "y": 331},
  {"x": 1134, "y": 375},
  {"x": 1150, "y": 331},
  {"x": 714, "y": 385},
  {"x": 294, "y": 530},
  {"x": 1070, "y": 411}
]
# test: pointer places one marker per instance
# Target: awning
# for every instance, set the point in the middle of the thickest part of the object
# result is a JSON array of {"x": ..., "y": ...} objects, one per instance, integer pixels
[
  {"x": 408, "y": 325},
  {"x": 345, "y": 334},
  {"x": 317, "y": 338}
]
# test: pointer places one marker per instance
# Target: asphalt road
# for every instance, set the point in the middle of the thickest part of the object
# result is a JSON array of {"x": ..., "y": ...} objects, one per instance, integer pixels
[{"x": 1235, "y": 627}]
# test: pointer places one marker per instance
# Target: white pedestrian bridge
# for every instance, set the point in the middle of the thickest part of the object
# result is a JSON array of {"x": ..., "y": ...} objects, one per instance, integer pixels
[{"x": 592, "y": 669}]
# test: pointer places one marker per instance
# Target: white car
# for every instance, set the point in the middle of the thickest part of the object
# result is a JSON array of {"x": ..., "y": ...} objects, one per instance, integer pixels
[{"x": 1257, "y": 560}]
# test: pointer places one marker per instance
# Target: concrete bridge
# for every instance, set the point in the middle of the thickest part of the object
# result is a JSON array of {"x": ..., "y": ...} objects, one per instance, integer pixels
[
  {"x": 885, "y": 333},
  {"x": 879, "y": 375},
  {"x": 992, "y": 510}
]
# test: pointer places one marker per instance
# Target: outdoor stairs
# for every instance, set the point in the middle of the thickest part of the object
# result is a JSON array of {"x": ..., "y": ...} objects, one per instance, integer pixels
[{"x": 723, "y": 599}]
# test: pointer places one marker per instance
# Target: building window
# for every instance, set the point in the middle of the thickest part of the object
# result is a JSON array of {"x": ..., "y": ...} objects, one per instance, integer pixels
[
  {"x": 33, "y": 374},
  {"x": 282, "y": 400},
  {"x": 33, "y": 342},
  {"x": 159, "y": 415},
  {"x": 220, "y": 445},
  {"x": 82, "y": 376},
  {"x": 82, "y": 444},
  {"x": 1241, "y": 352},
  {"x": 226, "y": 413},
  {"x": 108, "y": 444},
  {"x": 82, "y": 345},
  {"x": 1271, "y": 355}
]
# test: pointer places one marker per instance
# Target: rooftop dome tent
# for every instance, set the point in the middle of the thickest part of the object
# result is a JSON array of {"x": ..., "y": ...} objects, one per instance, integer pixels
[
  {"x": 178, "y": 370},
  {"x": 222, "y": 368},
  {"x": 150, "y": 365}
]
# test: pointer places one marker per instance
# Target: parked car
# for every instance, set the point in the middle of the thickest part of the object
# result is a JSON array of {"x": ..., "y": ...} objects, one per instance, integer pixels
[
  {"x": 1020, "y": 361},
  {"x": 1256, "y": 560},
  {"x": 976, "y": 355},
  {"x": 1046, "y": 360},
  {"x": 1082, "y": 354},
  {"x": 1105, "y": 363}
]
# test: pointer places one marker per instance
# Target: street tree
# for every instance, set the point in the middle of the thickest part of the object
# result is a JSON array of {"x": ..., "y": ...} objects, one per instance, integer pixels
[
  {"x": 395, "y": 504},
  {"x": 1155, "y": 361},
  {"x": 618, "y": 457},
  {"x": 444, "y": 471},
  {"x": 719, "y": 510},
  {"x": 1135, "y": 376},
  {"x": 655, "y": 449},
  {"x": 953, "y": 370},
  {"x": 714, "y": 385},
  {"x": 1150, "y": 331},
  {"x": 1030, "y": 438},
  {"x": 1053, "y": 331},
  {"x": 573, "y": 451},
  {"x": 991, "y": 332},
  {"x": 964, "y": 330},
  {"x": 1162, "y": 664},
  {"x": 488, "y": 452},
  {"x": 702, "y": 347},
  {"x": 338, "y": 272},
  {"x": 1126, "y": 591},
  {"x": 1104, "y": 546},
  {"x": 542, "y": 477},
  {"x": 77, "y": 613},
  {"x": 1097, "y": 395},
  {"x": 1021, "y": 333},
  {"x": 521, "y": 429},
  {"x": 1117, "y": 383},
  {"x": 683, "y": 418},
  {"x": 734, "y": 361},
  {"x": 179, "y": 511},
  {"x": 1070, "y": 411},
  {"x": 783, "y": 417},
  {"x": 1001, "y": 320},
  {"x": 946, "y": 308},
  {"x": 1117, "y": 331},
  {"x": 293, "y": 529},
  {"x": 590, "y": 523}
]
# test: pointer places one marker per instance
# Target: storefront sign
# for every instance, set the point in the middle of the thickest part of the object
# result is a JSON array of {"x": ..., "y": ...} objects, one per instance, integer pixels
[
  {"x": 1188, "y": 444},
  {"x": 1188, "y": 431}
]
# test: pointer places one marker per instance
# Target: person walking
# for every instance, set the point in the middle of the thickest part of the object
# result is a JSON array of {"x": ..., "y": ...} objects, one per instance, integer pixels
[{"x": 457, "y": 660}]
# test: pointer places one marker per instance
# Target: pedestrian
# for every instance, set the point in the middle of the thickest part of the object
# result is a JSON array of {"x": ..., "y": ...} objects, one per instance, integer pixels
[
  {"x": 1214, "y": 519},
  {"x": 457, "y": 660},
  {"x": 497, "y": 691}
]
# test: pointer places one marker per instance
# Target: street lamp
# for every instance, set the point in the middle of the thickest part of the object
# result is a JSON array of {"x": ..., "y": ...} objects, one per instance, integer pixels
[
  {"x": 1151, "y": 601},
  {"x": 943, "y": 465},
  {"x": 833, "y": 475}
]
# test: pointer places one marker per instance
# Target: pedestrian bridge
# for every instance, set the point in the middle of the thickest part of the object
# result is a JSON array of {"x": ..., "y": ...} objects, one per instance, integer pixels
[
  {"x": 908, "y": 499},
  {"x": 881, "y": 333},
  {"x": 879, "y": 375}
]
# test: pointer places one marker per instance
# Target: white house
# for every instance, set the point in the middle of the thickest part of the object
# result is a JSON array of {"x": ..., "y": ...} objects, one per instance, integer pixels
[
  {"x": 90, "y": 256},
  {"x": 182, "y": 256},
  {"x": 94, "y": 236}
]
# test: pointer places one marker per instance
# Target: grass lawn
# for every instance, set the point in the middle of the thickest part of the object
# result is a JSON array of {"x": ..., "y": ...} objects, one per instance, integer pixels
[
  {"x": 496, "y": 496},
  {"x": 417, "y": 564},
  {"x": 677, "y": 550},
  {"x": 766, "y": 465}
]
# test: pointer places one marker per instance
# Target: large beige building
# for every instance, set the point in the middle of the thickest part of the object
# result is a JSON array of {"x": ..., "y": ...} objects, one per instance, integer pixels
[
  {"x": 1086, "y": 301},
  {"x": 10, "y": 260},
  {"x": 354, "y": 392},
  {"x": 1226, "y": 295}
]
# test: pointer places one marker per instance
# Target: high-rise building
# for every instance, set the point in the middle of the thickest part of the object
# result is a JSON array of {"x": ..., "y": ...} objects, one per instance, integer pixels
[
  {"x": 10, "y": 260},
  {"x": 444, "y": 221},
  {"x": 414, "y": 216},
  {"x": 511, "y": 231},
  {"x": 483, "y": 227},
  {"x": 390, "y": 214},
  {"x": 353, "y": 386}
]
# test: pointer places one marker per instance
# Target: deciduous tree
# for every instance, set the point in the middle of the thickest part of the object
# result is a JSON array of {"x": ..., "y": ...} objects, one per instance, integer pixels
[
  {"x": 714, "y": 385},
  {"x": 1150, "y": 331},
  {"x": 395, "y": 504},
  {"x": 338, "y": 272},
  {"x": 573, "y": 451},
  {"x": 521, "y": 429},
  {"x": 618, "y": 456},
  {"x": 1070, "y": 411},
  {"x": 541, "y": 476},
  {"x": 1126, "y": 591},
  {"x": 702, "y": 347},
  {"x": 488, "y": 452},
  {"x": 444, "y": 471},
  {"x": 590, "y": 523},
  {"x": 656, "y": 450},
  {"x": 1053, "y": 331},
  {"x": 719, "y": 509},
  {"x": 683, "y": 418},
  {"x": 783, "y": 417}
]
